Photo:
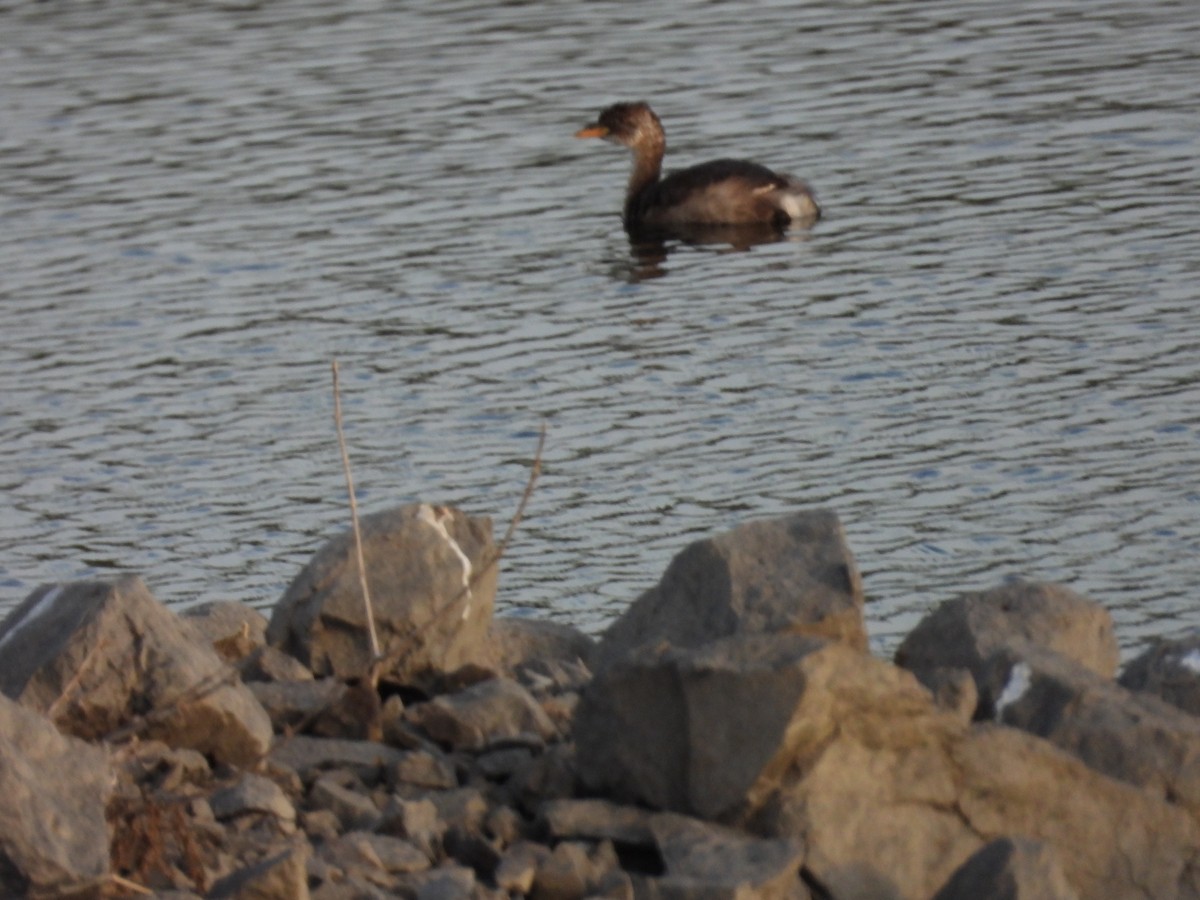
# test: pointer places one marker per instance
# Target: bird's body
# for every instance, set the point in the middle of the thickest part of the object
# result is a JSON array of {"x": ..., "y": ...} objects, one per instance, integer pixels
[{"x": 721, "y": 192}]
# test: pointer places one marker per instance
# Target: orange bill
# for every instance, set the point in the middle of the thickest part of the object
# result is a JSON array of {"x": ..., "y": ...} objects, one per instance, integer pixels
[{"x": 592, "y": 131}]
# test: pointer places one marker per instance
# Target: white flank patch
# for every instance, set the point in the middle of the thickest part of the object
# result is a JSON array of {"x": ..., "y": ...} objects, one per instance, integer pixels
[
  {"x": 1018, "y": 684},
  {"x": 1191, "y": 660},
  {"x": 436, "y": 517},
  {"x": 39, "y": 609},
  {"x": 791, "y": 205}
]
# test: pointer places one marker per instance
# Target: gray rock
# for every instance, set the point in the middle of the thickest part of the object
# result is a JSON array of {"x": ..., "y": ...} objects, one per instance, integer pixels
[
  {"x": 423, "y": 768},
  {"x": 537, "y": 650},
  {"x": 234, "y": 629},
  {"x": 502, "y": 763},
  {"x": 283, "y": 876},
  {"x": 462, "y": 808},
  {"x": 53, "y": 833},
  {"x": 891, "y": 808},
  {"x": 353, "y": 809},
  {"x": 481, "y": 715},
  {"x": 1134, "y": 737},
  {"x": 1009, "y": 869},
  {"x": 953, "y": 690},
  {"x": 706, "y": 860},
  {"x": 518, "y": 867},
  {"x": 793, "y": 575},
  {"x": 385, "y": 853},
  {"x": 325, "y": 707},
  {"x": 368, "y": 759},
  {"x": 293, "y": 704},
  {"x": 567, "y": 873},
  {"x": 699, "y": 859},
  {"x": 595, "y": 819},
  {"x": 1169, "y": 669},
  {"x": 254, "y": 795},
  {"x": 272, "y": 664},
  {"x": 446, "y": 882},
  {"x": 96, "y": 656},
  {"x": 813, "y": 742},
  {"x": 705, "y": 731},
  {"x": 965, "y": 632},
  {"x": 417, "y": 821},
  {"x": 547, "y": 776},
  {"x": 420, "y": 559}
]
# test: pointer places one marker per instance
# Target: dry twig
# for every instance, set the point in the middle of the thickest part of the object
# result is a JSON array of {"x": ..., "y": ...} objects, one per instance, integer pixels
[{"x": 362, "y": 568}]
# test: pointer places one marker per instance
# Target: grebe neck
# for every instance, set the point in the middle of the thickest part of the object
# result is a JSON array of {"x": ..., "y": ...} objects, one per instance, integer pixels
[{"x": 647, "y": 168}]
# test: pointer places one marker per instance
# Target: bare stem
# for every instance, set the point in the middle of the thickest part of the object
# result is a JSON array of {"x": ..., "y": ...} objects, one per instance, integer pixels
[
  {"x": 362, "y": 568},
  {"x": 492, "y": 559},
  {"x": 534, "y": 471}
]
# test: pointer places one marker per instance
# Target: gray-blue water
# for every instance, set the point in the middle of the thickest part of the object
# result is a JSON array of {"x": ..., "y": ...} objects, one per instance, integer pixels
[{"x": 986, "y": 358}]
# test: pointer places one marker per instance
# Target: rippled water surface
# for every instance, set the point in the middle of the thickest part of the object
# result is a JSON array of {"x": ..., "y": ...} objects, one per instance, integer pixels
[{"x": 985, "y": 357}]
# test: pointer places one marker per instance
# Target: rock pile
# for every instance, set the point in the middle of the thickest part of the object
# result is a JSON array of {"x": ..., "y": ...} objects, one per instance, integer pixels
[{"x": 729, "y": 736}]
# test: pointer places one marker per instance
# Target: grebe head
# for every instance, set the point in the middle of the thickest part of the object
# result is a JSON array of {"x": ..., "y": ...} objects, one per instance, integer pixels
[{"x": 629, "y": 124}]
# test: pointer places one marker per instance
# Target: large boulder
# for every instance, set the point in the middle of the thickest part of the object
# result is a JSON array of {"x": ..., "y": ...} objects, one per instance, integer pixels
[
  {"x": 963, "y": 633},
  {"x": 791, "y": 575},
  {"x": 53, "y": 834},
  {"x": 1134, "y": 737},
  {"x": 1009, "y": 869},
  {"x": 806, "y": 740},
  {"x": 713, "y": 731},
  {"x": 97, "y": 656},
  {"x": 432, "y": 594},
  {"x": 1169, "y": 668}
]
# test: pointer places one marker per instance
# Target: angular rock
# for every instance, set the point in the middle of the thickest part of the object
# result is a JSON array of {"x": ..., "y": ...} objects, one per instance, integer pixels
[
  {"x": 595, "y": 819},
  {"x": 53, "y": 833},
  {"x": 710, "y": 731},
  {"x": 533, "y": 649},
  {"x": 518, "y": 867},
  {"x": 234, "y": 629},
  {"x": 708, "y": 860},
  {"x": 291, "y": 704},
  {"x": 254, "y": 795},
  {"x": 354, "y": 810},
  {"x": 1133, "y": 737},
  {"x": 505, "y": 826},
  {"x": 462, "y": 808},
  {"x": 547, "y": 776},
  {"x": 567, "y": 873},
  {"x": 272, "y": 664},
  {"x": 481, "y": 715},
  {"x": 325, "y": 707},
  {"x": 416, "y": 821},
  {"x": 304, "y": 754},
  {"x": 502, "y": 763},
  {"x": 431, "y": 605},
  {"x": 811, "y": 741},
  {"x": 893, "y": 809},
  {"x": 1169, "y": 669},
  {"x": 423, "y": 768},
  {"x": 283, "y": 876},
  {"x": 965, "y": 632},
  {"x": 792, "y": 575},
  {"x": 1112, "y": 840},
  {"x": 1009, "y": 869},
  {"x": 96, "y": 656},
  {"x": 446, "y": 882},
  {"x": 379, "y": 851}
]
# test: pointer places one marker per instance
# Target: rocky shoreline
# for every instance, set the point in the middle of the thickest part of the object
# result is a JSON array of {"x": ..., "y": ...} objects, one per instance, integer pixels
[{"x": 728, "y": 736}]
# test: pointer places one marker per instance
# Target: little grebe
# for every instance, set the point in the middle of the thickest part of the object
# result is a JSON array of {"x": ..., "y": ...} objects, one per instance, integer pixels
[{"x": 721, "y": 192}]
